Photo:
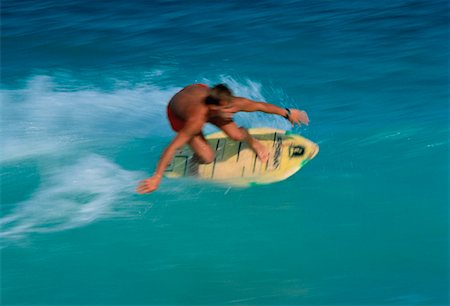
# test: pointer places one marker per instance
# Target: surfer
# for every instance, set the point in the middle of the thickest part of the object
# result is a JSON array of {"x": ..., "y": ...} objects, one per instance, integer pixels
[{"x": 197, "y": 104}]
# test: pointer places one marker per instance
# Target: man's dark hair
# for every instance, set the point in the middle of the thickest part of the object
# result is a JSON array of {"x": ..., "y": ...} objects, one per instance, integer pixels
[{"x": 218, "y": 93}]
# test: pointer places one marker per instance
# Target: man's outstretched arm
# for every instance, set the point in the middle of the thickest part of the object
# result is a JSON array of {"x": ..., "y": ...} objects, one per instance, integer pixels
[{"x": 295, "y": 116}]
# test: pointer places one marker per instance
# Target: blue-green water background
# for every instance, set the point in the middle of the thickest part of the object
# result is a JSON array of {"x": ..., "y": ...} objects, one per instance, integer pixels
[{"x": 83, "y": 90}]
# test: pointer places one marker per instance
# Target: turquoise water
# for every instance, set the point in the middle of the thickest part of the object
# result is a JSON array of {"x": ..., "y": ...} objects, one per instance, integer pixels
[{"x": 83, "y": 91}]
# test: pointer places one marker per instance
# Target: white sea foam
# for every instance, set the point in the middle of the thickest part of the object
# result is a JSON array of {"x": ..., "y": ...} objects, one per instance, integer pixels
[
  {"x": 45, "y": 119},
  {"x": 42, "y": 119},
  {"x": 91, "y": 189}
]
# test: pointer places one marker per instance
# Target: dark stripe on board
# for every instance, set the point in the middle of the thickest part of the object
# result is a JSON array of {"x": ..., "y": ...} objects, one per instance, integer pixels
[
  {"x": 274, "y": 139},
  {"x": 239, "y": 150},
  {"x": 185, "y": 164},
  {"x": 215, "y": 159}
]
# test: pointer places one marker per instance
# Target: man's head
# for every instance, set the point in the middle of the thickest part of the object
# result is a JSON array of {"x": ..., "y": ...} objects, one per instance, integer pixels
[{"x": 219, "y": 95}]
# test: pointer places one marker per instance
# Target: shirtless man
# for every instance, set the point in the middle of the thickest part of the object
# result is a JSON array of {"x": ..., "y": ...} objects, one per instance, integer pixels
[{"x": 197, "y": 104}]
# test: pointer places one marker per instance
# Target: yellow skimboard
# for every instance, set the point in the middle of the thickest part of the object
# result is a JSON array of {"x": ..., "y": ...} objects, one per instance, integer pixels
[{"x": 237, "y": 165}]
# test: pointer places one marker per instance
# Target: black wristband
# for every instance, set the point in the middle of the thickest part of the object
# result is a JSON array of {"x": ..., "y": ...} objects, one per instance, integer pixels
[{"x": 288, "y": 113}]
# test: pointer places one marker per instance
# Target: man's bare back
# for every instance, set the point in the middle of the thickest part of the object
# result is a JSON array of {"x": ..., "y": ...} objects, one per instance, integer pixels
[{"x": 189, "y": 101}]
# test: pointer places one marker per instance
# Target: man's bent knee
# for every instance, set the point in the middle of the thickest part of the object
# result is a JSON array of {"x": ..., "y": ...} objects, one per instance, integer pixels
[{"x": 238, "y": 135}]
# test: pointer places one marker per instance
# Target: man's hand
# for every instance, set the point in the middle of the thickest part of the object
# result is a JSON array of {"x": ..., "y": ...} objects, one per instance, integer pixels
[
  {"x": 149, "y": 185},
  {"x": 298, "y": 117}
]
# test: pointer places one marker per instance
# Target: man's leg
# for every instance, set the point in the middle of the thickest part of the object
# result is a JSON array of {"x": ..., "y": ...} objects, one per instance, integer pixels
[
  {"x": 203, "y": 152},
  {"x": 240, "y": 134}
]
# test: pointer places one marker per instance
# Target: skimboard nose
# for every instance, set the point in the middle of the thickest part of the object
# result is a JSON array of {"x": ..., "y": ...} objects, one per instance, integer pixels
[{"x": 314, "y": 151}]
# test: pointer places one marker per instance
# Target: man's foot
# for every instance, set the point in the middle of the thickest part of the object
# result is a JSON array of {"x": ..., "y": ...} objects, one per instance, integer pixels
[{"x": 260, "y": 150}]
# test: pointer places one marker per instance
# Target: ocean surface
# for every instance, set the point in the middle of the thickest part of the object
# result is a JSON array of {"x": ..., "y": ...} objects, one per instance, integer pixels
[{"x": 84, "y": 85}]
